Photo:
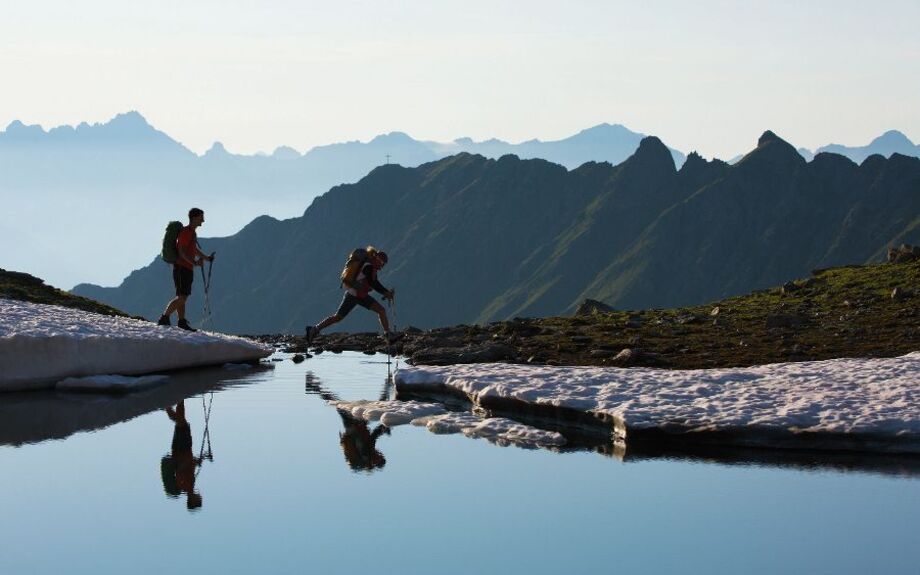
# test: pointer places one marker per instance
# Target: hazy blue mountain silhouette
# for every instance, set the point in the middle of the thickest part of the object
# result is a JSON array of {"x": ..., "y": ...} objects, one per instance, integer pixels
[
  {"x": 476, "y": 239},
  {"x": 90, "y": 202},
  {"x": 891, "y": 142}
]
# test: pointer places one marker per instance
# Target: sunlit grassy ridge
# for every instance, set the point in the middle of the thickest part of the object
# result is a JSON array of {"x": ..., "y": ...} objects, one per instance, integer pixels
[
  {"x": 840, "y": 312},
  {"x": 23, "y": 287}
]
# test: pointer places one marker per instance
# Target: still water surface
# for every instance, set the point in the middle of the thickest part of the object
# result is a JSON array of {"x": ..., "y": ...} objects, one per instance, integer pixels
[{"x": 101, "y": 485}]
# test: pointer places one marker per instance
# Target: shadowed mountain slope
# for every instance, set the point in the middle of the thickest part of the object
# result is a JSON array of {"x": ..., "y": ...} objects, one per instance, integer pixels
[{"x": 473, "y": 239}]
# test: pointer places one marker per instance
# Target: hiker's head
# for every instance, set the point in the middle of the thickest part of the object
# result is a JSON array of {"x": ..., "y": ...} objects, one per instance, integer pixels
[
  {"x": 380, "y": 260},
  {"x": 195, "y": 216}
]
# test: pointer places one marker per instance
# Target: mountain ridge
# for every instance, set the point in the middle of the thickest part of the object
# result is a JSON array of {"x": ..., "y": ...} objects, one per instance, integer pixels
[{"x": 473, "y": 239}]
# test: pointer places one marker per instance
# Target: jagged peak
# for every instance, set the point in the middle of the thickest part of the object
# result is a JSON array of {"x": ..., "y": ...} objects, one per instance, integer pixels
[
  {"x": 892, "y": 137},
  {"x": 604, "y": 128},
  {"x": 17, "y": 127},
  {"x": 285, "y": 152},
  {"x": 769, "y": 137},
  {"x": 216, "y": 149},
  {"x": 130, "y": 118},
  {"x": 392, "y": 137}
]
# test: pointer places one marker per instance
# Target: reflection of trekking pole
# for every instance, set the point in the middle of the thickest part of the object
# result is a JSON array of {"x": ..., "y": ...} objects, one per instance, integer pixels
[
  {"x": 206, "y": 434},
  {"x": 206, "y": 282}
]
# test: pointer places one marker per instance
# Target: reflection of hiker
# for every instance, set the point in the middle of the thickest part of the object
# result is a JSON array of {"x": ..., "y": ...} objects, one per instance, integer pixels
[
  {"x": 178, "y": 469},
  {"x": 358, "y": 278},
  {"x": 359, "y": 443},
  {"x": 188, "y": 255}
]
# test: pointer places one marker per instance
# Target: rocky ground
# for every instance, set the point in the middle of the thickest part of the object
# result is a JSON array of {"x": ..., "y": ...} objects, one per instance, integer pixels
[{"x": 854, "y": 311}]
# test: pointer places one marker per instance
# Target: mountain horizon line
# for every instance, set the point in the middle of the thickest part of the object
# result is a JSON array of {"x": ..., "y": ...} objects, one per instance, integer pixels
[{"x": 133, "y": 122}]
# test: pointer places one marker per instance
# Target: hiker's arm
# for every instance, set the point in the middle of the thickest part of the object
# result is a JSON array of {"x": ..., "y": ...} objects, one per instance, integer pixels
[
  {"x": 202, "y": 255},
  {"x": 375, "y": 283},
  {"x": 190, "y": 258}
]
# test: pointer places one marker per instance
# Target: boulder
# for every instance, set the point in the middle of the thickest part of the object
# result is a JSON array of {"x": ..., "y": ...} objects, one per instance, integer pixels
[
  {"x": 903, "y": 253},
  {"x": 628, "y": 356},
  {"x": 592, "y": 306}
]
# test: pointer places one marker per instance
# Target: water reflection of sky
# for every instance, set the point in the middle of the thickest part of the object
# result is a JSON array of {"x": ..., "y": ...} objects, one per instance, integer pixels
[{"x": 281, "y": 495}]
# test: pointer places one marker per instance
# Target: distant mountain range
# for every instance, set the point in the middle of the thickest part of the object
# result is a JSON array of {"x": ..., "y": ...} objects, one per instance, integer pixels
[
  {"x": 473, "y": 239},
  {"x": 891, "y": 142},
  {"x": 90, "y": 202}
]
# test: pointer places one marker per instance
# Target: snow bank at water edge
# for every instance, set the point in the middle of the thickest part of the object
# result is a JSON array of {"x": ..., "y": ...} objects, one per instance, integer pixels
[
  {"x": 42, "y": 344},
  {"x": 863, "y": 404}
]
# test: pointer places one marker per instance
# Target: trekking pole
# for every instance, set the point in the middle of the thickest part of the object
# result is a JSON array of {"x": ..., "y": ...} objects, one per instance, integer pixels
[{"x": 391, "y": 303}]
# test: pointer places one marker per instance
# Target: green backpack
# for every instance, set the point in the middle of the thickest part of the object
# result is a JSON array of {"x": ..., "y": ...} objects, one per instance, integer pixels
[{"x": 170, "y": 252}]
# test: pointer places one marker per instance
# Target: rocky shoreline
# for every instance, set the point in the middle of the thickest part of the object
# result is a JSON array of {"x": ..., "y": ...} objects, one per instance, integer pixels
[{"x": 853, "y": 311}]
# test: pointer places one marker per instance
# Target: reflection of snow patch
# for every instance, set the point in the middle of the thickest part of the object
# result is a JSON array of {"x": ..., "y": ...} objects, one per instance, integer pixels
[
  {"x": 506, "y": 431},
  {"x": 41, "y": 344},
  {"x": 110, "y": 383},
  {"x": 390, "y": 413},
  {"x": 438, "y": 420},
  {"x": 496, "y": 429}
]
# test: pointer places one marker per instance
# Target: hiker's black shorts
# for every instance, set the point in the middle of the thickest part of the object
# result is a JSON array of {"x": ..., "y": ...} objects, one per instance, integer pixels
[
  {"x": 349, "y": 302},
  {"x": 183, "y": 277}
]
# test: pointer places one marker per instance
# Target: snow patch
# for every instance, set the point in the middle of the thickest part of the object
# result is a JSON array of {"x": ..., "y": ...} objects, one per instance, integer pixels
[
  {"x": 869, "y": 397},
  {"x": 42, "y": 344}
]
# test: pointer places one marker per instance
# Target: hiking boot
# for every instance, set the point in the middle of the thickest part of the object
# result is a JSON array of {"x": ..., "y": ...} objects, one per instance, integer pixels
[
  {"x": 183, "y": 323},
  {"x": 310, "y": 333},
  {"x": 164, "y": 320}
]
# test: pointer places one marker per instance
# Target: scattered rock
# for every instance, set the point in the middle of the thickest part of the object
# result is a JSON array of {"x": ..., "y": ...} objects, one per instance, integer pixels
[
  {"x": 298, "y": 358},
  {"x": 602, "y": 353},
  {"x": 473, "y": 354},
  {"x": 634, "y": 322},
  {"x": 715, "y": 311},
  {"x": 788, "y": 288},
  {"x": 903, "y": 253},
  {"x": 628, "y": 356},
  {"x": 785, "y": 320},
  {"x": 899, "y": 294},
  {"x": 592, "y": 306}
]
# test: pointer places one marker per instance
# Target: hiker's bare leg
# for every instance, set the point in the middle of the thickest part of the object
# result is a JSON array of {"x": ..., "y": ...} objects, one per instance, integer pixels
[
  {"x": 173, "y": 306},
  {"x": 180, "y": 305},
  {"x": 382, "y": 315},
  {"x": 332, "y": 319}
]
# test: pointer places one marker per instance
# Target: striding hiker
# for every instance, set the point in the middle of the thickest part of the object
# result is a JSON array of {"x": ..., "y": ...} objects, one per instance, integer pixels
[
  {"x": 187, "y": 256},
  {"x": 358, "y": 278}
]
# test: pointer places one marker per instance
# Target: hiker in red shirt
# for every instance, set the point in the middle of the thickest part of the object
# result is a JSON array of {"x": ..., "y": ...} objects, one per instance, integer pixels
[{"x": 189, "y": 256}]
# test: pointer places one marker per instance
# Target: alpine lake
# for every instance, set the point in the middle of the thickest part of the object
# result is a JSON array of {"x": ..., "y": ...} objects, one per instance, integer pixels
[{"x": 268, "y": 477}]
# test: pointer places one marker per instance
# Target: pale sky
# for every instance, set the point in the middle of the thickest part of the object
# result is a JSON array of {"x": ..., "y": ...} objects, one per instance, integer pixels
[{"x": 706, "y": 75}]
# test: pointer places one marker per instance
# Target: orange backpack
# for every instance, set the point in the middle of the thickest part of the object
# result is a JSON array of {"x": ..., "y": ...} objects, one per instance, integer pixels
[{"x": 354, "y": 263}]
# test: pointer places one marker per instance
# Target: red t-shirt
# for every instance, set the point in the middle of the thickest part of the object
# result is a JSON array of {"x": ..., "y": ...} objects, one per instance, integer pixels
[{"x": 186, "y": 244}]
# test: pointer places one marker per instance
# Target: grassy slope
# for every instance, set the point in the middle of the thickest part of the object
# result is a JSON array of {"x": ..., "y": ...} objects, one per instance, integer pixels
[
  {"x": 840, "y": 312},
  {"x": 23, "y": 287}
]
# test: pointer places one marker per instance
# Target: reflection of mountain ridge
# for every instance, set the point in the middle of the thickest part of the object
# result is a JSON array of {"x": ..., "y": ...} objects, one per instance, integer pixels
[{"x": 37, "y": 416}]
